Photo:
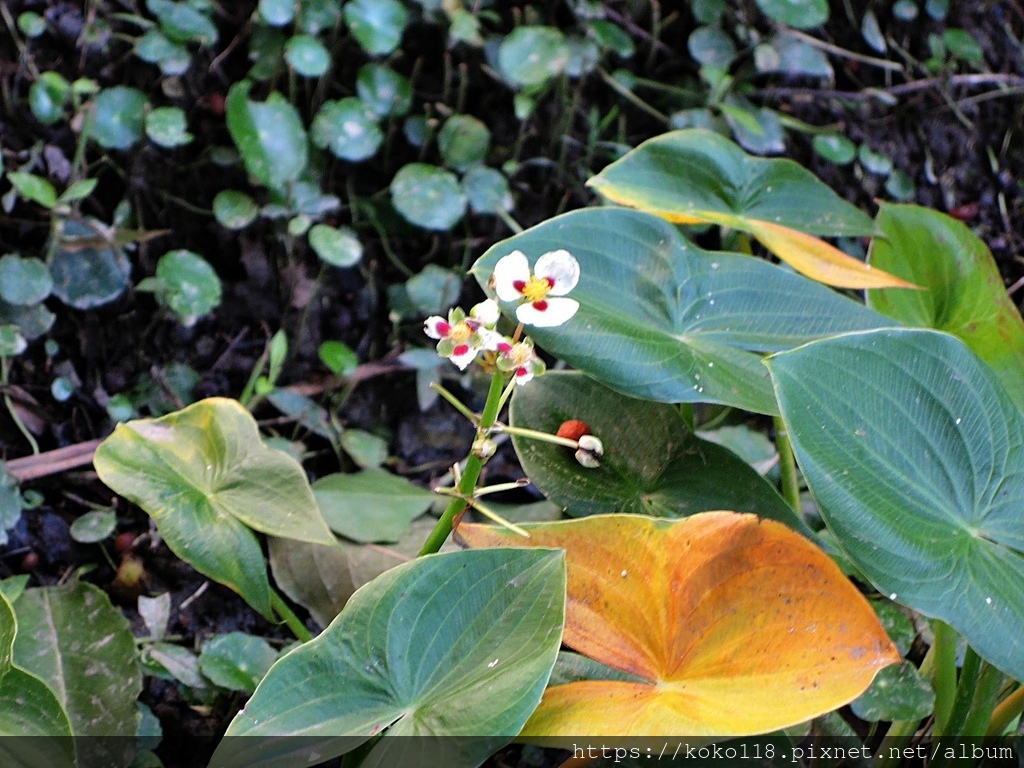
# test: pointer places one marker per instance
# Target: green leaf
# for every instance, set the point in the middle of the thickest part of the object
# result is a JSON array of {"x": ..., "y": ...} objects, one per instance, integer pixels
[
  {"x": 34, "y": 188},
  {"x": 661, "y": 319},
  {"x": 168, "y": 127},
  {"x": 12, "y": 343},
  {"x": 434, "y": 290},
  {"x": 695, "y": 176},
  {"x": 367, "y": 450},
  {"x": 307, "y": 56},
  {"x": 119, "y": 116},
  {"x": 337, "y": 246},
  {"x": 835, "y": 148},
  {"x": 277, "y": 13},
  {"x": 383, "y": 90},
  {"x": 269, "y": 135},
  {"x": 530, "y": 56},
  {"x": 874, "y": 162},
  {"x": 498, "y": 612},
  {"x": 680, "y": 174},
  {"x": 236, "y": 661},
  {"x": 94, "y": 526},
  {"x": 47, "y": 96},
  {"x": 711, "y": 47},
  {"x": 76, "y": 642},
  {"x": 234, "y": 209},
  {"x": 897, "y": 693},
  {"x": 316, "y": 577},
  {"x": 339, "y": 358},
  {"x": 370, "y": 506},
  {"x": 486, "y": 190},
  {"x": 428, "y": 196},
  {"x": 78, "y": 191},
  {"x": 463, "y": 141},
  {"x": 965, "y": 296},
  {"x": 24, "y": 281},
  {"x": 348, "y": 128},
  {"x": 28, "y": 708},
  {"x": 87, "y": 269},
  {"x": 31, "y": 24},
  {"x": 913, "y": 452},
  {"x": 183, "y": 22},
  {"x": 377, "y": 25},
  {"x": 188, "y": 285},
  {"x": 800, "y": 14},
  {"x": 206, "y": 478},
  {"x": 652, "y": 465},
  {"x": 173, "y": 662}
]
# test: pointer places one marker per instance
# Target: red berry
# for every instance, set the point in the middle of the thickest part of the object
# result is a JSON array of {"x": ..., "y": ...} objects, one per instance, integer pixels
[
  {"x": 124, "y": 542},
  {"x": 30, "y": 562},
  {"x": 573, "y": 429}
]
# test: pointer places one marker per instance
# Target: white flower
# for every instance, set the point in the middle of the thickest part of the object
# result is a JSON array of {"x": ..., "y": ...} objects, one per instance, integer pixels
[
  {"x": 519, "y": 359},
  {"x": 460, "y": 337},
  {"x": 487, "y": 312},
  {"x": 555, "y": 274}
]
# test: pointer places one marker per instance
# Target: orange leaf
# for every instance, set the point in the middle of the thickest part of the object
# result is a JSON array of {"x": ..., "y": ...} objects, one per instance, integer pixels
[
  {"x": 740, "y": 625},
  {"x": 813, "y": 257}
]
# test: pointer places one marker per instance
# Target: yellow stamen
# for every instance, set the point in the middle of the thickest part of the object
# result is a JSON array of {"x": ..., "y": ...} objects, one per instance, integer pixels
[
  {"x": 460, "y": 333},
  {"x": 536, "y": 289}
]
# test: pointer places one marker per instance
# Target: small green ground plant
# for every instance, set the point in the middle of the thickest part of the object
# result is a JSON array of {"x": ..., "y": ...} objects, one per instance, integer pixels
[{"x": 668, "y": 588}]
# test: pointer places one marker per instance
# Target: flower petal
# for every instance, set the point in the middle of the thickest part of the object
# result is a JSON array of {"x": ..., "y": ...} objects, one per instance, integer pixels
[
  {"x": 510, "y": 269},
  {"x": 522, "y": 375},
  {"x": 463, "y": 355},
  {"x": 561, "y": 269},
  {"x": 436, "y": 327},
  {"x": 492, "y": 341},
  {"x": 547, "y": 314},
  {"x": 487, "y": 312}
]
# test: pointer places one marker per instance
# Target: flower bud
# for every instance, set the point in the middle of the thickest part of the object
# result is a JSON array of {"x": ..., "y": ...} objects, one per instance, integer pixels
[
  {"x": 484, "y": 448},
  {"x": 590, "y": 452}
]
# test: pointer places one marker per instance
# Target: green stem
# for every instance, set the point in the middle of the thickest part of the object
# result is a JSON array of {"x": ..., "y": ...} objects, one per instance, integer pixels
[
  {"x": 989, "y": 682},
  {"x": 454, "y": 402},
  {"x": 964, "y": 698},
  {"x": 470, "y": 474},
  {"x": 288, "y": 617},
  {"x": 686, "y": 411},
  {"x": 787, "y": 466},
  {"x": 944, "y": 676},
  {"x": 1009, "y": 708},
  {"x": 4, "y": 373},
  {"x": 533, "y": 434}
]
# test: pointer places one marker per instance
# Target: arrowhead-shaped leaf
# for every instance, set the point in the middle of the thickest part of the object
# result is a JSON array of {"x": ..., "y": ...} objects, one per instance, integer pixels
[
  {"x": 372, "y": 505},
  {"x": 736, "y": 625},
  {"x": 652, "y": 464},
  {"x": 206, "y": 478},
  {"x": 457, "y": 644},
  {"x": 697, "y": 176},
  {"x": 915, "y": 455},
  {"x": 662, "y": 319},
  {"x": 82, "y": 648},
  {"x": 965, "y": 296},
  {"x": 28, "y": 708}
]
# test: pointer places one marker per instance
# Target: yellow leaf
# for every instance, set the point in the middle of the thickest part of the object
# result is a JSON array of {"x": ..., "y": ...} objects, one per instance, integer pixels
[
  {"x": 813, "y": 257},
  {"x": 737, "y": 624}
]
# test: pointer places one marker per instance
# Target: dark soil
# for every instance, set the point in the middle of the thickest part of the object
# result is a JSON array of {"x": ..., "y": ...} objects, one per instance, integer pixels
[{"x": 960, "y": 141}]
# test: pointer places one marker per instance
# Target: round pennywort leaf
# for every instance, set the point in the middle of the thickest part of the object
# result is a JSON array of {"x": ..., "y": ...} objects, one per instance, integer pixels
[
  {"x": 234, "y": 209},
  {"x": 428, "y": 196},
  {"x": 348, "y": 128},
  {"x": 339, "y": 247}
]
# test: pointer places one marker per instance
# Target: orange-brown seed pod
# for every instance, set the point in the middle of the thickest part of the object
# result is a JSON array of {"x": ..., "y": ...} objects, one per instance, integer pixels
[{"x": 573, "y": 429}]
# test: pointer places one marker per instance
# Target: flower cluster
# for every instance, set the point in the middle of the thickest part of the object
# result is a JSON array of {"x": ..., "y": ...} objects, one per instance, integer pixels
[{"x": 540, "y": 301}]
